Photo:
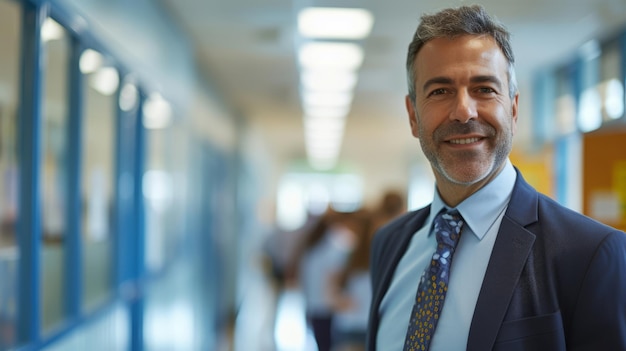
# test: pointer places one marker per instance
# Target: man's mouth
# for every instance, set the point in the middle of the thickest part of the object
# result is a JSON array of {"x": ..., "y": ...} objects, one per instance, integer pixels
[{"x": 464, "y": 141}]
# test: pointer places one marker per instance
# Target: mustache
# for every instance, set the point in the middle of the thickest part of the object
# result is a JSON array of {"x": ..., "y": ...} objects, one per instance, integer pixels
[{"x": 470, "y": 127}]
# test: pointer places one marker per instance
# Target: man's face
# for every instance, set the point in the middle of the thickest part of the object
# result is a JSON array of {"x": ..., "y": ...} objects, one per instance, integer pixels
[{"x": 463, "y": 114}]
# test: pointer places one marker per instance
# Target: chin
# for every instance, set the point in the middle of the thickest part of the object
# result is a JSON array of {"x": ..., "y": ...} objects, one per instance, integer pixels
[{"x": 464, "y": 175}]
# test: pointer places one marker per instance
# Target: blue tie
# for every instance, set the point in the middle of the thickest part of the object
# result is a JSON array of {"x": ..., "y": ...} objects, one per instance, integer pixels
[{"x": 433, "y": 285}]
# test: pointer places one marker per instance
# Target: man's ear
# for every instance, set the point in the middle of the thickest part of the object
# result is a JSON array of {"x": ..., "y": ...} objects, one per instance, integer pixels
[
  {"x": 514, "y": 112},
  {"x": 410, "y": 109}
]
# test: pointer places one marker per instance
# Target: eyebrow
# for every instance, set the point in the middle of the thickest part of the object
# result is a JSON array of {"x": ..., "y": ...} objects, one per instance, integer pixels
[
  {"x": 436, "y": 80},
  {"x": 474, "y": 80},
  {"x": 487, "y": 79}
]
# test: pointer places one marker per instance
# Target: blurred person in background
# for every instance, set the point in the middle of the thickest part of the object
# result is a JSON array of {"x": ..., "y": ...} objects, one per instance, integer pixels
[
  {"x": 322, "y": 252},
  {"x": 349, "y": 288},
  {"x": 527, "y": 273},
  {"x": 392, "y": 204},
  {"x": 277, "y": 249}
]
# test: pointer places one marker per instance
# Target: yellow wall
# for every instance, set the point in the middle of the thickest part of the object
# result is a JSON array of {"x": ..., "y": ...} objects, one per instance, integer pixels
[
  {"x": 536, "y": 169},
  {"x": 604, "y": 176}
]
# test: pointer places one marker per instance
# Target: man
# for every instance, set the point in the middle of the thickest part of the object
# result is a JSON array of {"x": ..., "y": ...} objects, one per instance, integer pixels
[{"x": 526, "y": 273}]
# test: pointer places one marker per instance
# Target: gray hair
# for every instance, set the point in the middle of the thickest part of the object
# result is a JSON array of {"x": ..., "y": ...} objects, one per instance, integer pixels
[{"x": 450, "y": 23}]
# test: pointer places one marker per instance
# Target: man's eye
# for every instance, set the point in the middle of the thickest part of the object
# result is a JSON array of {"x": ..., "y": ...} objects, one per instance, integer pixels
[
  {"x": 438, "y": 91},
  {"x": 486, "y": 90}
]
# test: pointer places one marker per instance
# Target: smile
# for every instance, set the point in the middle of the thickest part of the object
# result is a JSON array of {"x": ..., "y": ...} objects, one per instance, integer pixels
[{"x": 464, "y": 141}]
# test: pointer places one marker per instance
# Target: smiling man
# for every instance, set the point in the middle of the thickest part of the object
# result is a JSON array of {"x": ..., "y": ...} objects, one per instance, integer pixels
[{"x": 490, "y": 264}]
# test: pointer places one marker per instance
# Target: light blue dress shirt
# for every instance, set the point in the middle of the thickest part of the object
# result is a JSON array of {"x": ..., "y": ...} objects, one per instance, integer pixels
[{"x": 482, "y": 212}]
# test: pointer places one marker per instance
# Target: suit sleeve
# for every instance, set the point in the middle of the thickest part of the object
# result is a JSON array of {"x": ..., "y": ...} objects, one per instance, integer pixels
[{"x": 599, "y": 322}]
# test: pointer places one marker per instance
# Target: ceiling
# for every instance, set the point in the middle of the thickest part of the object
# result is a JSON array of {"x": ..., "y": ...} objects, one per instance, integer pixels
[{"x": 247, "y": 48}]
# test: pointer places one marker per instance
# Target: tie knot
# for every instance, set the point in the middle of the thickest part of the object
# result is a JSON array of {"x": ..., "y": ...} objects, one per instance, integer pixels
[{"x": 448, "y": 225}]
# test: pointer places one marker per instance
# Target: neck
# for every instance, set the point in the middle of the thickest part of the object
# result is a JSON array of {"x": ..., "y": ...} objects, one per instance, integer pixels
[{"x": 453, "y": 193}]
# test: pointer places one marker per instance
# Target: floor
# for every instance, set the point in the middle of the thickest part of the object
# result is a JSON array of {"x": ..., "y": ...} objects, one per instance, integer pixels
[{"x": 271, "y": 320}]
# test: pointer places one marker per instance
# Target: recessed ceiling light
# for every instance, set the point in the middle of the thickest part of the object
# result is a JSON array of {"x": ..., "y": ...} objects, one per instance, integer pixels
[
  {"x": 326, "y": 111},
  {"x": 335, "y": 23},
  {"x": 316, "y": 55},
  {"x": 326, "y": 98},
  {"x": 329, "y": 80},
  {"x": 313, "y": 124}
]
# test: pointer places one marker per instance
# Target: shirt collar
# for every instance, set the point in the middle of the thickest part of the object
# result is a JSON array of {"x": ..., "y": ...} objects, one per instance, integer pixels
[{"x": 482, "y": 208}]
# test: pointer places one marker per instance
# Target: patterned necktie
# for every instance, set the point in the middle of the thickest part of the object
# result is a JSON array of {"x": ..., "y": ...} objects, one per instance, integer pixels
[{"x": 433, "y": 285}]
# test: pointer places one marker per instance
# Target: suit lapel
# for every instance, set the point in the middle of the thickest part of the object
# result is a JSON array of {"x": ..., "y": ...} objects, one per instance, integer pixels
[
  {"x": 508, "y": 258},
  {"x": 396, "y": 251},
  {"x": 505, "y": 266},
  {"x": 392, "y": 255}
]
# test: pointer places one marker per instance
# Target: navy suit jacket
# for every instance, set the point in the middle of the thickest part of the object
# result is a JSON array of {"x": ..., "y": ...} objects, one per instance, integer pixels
[{"x": 556, "y": 280}]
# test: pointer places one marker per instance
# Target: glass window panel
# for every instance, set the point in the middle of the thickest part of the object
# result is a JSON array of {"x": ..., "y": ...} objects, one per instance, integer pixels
[
  {"x": 589, "y": 105},
  {"x": 10, "y": 28},
  {"x": 157, "y": 191},
  {"x": 164, "y": 183},
  {"x": 54, "y": 171},
  {"x": 589, "y": 110},
  {"x": 177, "y": 164},
  {"x": 611, "y": 86},
  {"x": 97, "y": 175},
  {"x": 565, "y": 104}
]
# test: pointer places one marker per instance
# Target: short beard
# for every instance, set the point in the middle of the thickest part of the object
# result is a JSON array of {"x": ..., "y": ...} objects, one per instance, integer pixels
[{"x": 504, "y": 144}]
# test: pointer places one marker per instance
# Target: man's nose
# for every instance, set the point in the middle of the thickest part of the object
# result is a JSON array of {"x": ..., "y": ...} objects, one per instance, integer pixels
[{"x": 464, "y": 108}]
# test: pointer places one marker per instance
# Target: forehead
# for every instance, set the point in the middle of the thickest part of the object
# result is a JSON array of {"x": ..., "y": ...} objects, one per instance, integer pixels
[{"x": 462, "y": 55}]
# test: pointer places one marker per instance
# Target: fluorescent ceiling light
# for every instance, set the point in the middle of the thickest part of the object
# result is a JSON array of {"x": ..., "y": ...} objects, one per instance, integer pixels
[
  {"x": 318, "y": 154},
  {"x": 329, "y": 80},
  {"x": 326, "y": 149},
  {"x": 323, "y": 140},
  {"x": 323, "y": 124},
  {"x": 324, "y": 136},
  {"x": 326, "y": 98},
  {"x": 316, "y": 138},
  {"x": 335, "y": 23},
  {"x": 314, "y": 55},
  {"x": 326, "y": 111},
  {"x": 317, "y": 151}
]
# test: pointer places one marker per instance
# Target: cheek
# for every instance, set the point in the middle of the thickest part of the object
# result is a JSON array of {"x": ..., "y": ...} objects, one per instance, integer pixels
[{"x": 429, "y": 118}]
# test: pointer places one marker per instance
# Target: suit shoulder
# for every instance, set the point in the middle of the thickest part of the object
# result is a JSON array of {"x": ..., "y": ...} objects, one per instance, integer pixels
[
  {"x": 389, "y": 232},
  {"x": 571, "y": 222},
  {"x": 396, "y": 223}
]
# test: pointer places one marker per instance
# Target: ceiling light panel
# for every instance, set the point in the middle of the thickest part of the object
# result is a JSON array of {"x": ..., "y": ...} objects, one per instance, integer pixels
[
  {"x": 340, "y": 81},
  {"x": 327, "y": 111},
  {"x": 326, "y": 98},
  {"x": 335, "y": 23},
  {"x": 326, "y": 55}
]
